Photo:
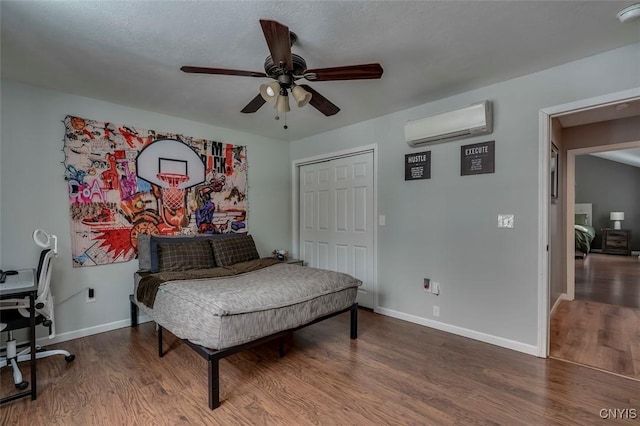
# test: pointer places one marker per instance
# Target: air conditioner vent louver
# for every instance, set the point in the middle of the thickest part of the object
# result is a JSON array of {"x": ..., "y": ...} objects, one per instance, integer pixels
[{"x": 471, "y": 120}]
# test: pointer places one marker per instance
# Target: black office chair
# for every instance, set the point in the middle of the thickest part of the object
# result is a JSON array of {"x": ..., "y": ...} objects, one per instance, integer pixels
[{"x": 14, "y": 315}]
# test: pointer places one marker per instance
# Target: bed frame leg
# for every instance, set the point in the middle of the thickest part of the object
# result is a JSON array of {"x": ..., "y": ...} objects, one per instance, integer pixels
[
  {"x": 160, "y": 352},
  {"x": 354, "y": 321},
  {"x": 281, "y": 348},
  {"x": 214, "y": 383},
  {"x": 134, "y": 312}
]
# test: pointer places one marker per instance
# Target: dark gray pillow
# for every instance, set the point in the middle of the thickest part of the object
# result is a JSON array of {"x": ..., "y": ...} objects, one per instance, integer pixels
[
  {"x": 157, "y": 239},
  {"x": 177, "y": 256},
  {"x": 234, "y": 250}
]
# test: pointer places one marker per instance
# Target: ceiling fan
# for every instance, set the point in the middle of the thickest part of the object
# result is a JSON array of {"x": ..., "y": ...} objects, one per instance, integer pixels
[{"x": 286, "y": 68}]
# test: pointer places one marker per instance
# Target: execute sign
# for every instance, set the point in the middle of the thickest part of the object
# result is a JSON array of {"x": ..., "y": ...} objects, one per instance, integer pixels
[{"x": 478, "y": 158}]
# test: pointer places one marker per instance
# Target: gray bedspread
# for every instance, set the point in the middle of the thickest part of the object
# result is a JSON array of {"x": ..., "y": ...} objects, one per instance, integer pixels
[
  {"x": 227, "y": 311},
  {"x": 151, "y": 282}
]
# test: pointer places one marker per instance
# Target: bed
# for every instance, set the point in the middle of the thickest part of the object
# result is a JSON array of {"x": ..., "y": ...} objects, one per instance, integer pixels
[
  {"x": 584, "y": 230},
  {"x": 216, "y": 294}
]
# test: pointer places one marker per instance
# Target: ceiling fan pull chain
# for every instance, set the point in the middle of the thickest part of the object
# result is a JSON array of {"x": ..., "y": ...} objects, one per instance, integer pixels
[{"x": 285, "y": 121}]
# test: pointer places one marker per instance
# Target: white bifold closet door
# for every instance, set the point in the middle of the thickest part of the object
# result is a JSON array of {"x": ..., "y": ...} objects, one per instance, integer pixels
[{"x": 336, "y": 218}]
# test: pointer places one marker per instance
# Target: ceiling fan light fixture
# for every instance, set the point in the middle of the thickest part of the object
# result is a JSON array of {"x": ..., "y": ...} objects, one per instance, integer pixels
[
  {"x": 282, "y": 104},
  {"x": 269, "y": 92},
  {"x": 301, "y": 96}
]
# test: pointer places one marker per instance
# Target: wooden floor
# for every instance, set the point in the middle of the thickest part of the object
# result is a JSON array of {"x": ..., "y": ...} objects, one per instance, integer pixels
[
  {"x": 607, "y": 278},
  {"x": 394, "y": 373},
  {"x": 599, "y": 335},
  {"x": 601, "y": 327}
]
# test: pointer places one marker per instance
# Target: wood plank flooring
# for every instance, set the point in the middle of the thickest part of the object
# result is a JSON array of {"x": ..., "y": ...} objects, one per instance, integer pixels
[
  {"x": 394, "y": 373},
  {"x": 601, "y": 328},
  {"x": 607, "y": 278},
  {"x": 599, "y": 335}
]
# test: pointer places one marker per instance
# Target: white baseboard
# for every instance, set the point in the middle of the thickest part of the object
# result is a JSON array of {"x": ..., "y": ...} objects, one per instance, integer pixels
[
  {"x": 461, "y": 331},
  {"x": 562, "y": 297},
  {"x": 84, "y": 332}
]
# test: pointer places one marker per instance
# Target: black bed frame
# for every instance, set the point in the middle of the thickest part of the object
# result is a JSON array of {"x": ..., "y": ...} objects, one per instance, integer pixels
[{"x": 214, "y": 356}]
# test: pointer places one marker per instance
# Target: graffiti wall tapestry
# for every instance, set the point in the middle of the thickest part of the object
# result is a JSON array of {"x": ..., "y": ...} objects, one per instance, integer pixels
[{"x": 124, "y": 181}]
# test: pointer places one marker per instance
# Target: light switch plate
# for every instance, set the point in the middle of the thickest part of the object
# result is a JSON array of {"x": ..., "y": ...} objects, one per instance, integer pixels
[
  {"x": 505, "y": 221},
  {"x": 382, "y": 220}
]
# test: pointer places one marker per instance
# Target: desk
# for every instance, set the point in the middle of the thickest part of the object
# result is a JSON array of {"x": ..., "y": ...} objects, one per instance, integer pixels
[{"x": 17, "y": 286}]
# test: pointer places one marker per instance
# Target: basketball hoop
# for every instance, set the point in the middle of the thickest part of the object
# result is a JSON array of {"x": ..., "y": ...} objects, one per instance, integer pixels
[{"x": 173, "y": 197}]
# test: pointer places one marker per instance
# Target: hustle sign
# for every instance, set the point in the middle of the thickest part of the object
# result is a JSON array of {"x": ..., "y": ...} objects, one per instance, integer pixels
[
  {"x": 477, "y": 159},
  {"x": 417, "y": 166}
]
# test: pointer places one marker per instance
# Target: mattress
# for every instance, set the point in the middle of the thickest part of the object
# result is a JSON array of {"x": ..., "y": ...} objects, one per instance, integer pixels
[{"x": 219, "y": 313}]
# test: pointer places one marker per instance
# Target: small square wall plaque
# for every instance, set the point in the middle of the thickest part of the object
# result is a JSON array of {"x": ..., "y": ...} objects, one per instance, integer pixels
[
  {"x": 417, "y": 166},
  {"x": 477, "y": 159}
]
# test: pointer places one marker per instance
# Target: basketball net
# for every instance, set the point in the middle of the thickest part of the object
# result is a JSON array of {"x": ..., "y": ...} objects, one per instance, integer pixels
[{"x": 173, "y": 197}]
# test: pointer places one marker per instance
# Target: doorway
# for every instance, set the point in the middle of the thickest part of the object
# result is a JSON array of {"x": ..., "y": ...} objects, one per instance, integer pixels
[
  {"x": 545, "y": 246},
  {"x": 593, "y": 333},
  {"x": 571, "y": 200},
  {"x": 335, "y": 207}
]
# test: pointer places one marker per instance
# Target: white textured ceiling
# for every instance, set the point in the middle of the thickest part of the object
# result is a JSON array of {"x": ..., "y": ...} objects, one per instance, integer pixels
[
  {"x": 630, "y": 157},
  {"x": 130, "y": 52}
]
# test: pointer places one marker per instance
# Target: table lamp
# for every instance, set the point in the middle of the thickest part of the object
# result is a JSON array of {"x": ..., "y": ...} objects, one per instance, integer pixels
[{"x": 616, "y": 217}]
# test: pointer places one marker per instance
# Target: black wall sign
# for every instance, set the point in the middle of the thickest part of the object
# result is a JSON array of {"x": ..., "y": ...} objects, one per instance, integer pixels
[
  {"x": 417, "y": 166},
  {"x": 477, "y": 159}
]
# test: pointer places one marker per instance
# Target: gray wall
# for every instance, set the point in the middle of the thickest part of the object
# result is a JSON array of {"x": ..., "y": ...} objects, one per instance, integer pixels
[
  {"x": 34, "y": 195},
  {"x": 445, "y": 228},
  {"x": 609, "y": 186}
]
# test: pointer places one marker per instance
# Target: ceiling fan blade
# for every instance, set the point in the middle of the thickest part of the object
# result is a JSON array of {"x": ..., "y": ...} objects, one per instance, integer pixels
[
  {"x": 279, "y": 42},
  {"x": 254, "y": 105},
  {"x": 319, "y": 102},
  {"x": 351, "y": 72},
  {"x": 222, "y": 71}
]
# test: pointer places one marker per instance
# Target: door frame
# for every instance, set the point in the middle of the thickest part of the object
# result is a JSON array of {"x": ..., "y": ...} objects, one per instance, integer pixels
[
  {"x": 544, "y": 142},
  {"x": 295, "y": 201}
]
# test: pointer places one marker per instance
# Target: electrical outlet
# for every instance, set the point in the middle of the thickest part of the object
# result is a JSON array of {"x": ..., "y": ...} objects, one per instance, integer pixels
[
  {"x": 91, "y": 295},
  {"x": 436, "y": 311},
  {"x": 427, "y": 284}
]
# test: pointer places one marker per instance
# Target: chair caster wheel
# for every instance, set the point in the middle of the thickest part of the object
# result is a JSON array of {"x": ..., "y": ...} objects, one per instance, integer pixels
[
  {"x": 69, "y": 358},
  {"x": 22, "y": 385}
]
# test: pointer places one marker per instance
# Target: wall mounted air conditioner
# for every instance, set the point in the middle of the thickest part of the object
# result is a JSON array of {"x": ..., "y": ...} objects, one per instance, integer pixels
[{"x": 469, "y": 121}]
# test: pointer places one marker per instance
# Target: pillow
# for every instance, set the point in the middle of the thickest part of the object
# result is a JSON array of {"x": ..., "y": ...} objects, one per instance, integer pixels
[
  {"x": 234, "y": 250},
  {"x": 185, "y": 256},
  {"x": 154, "y": 240},
  {"x": 581, "y": 219},
  {"x": 581, "y": 228}
]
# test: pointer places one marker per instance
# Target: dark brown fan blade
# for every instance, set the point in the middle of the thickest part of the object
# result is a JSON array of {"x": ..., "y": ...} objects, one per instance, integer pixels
[
  {"x": 254, "y": 105},
  {"x": 279, "y": 42},
  {"x": 351, "y": 72},
  {"x": 222, "y": 71},
  {"x": 319, "y": 102}
]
